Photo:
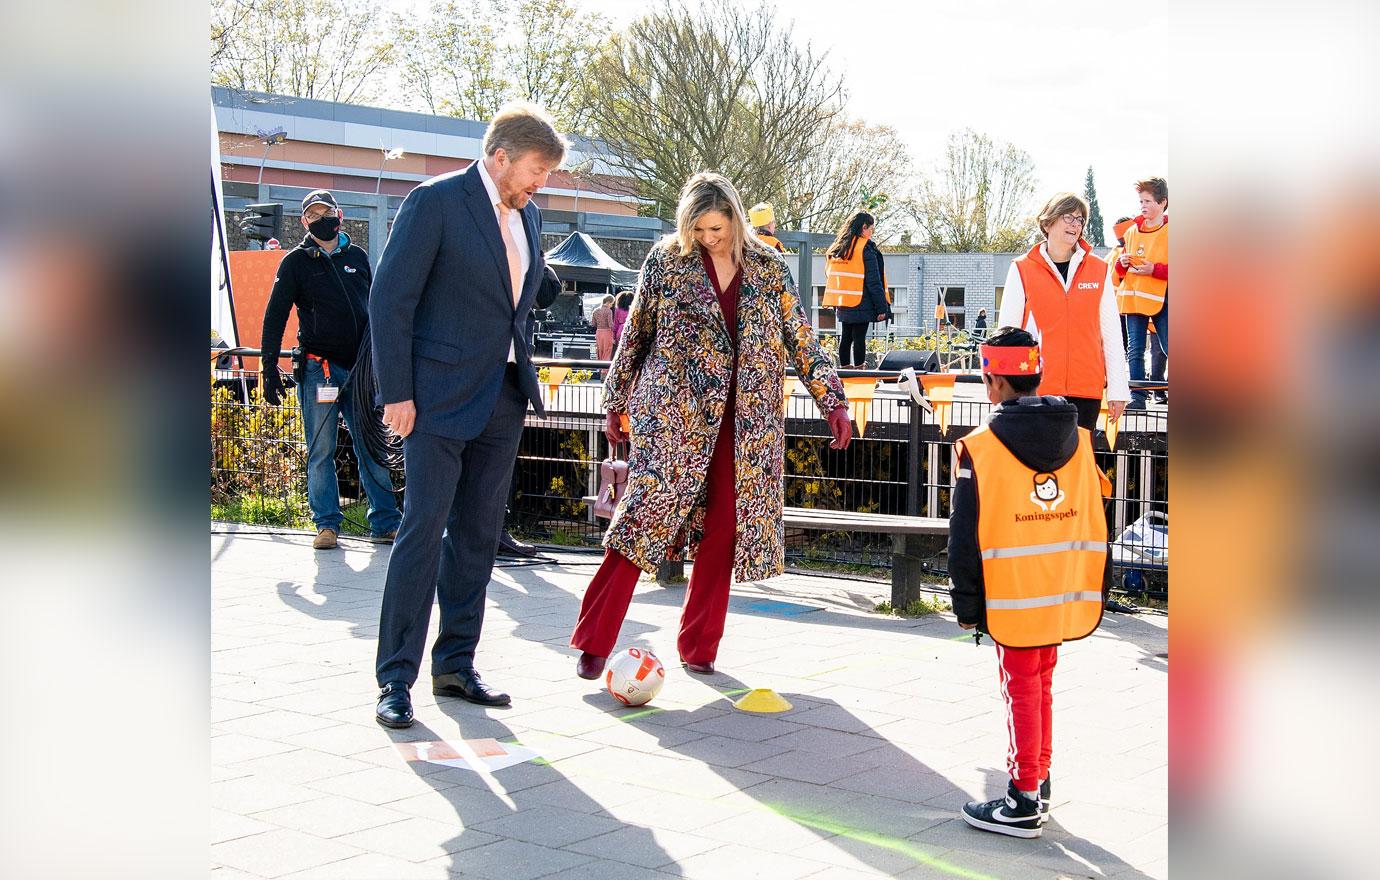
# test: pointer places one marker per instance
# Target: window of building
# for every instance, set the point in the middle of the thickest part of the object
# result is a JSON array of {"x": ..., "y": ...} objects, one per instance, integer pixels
[{"x": 953, "y": 306}]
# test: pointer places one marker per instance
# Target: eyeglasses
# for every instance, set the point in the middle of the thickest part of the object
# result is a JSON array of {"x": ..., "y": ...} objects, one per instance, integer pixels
[
  {"x": 1073, "y": 219},
  {"x": 317, "y": 215}
]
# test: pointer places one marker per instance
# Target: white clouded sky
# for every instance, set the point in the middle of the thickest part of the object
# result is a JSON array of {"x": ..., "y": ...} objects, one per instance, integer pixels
[{"x": 1074, "y": 84}]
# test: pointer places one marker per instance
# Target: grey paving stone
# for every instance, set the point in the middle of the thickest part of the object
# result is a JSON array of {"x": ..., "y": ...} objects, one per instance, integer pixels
[
  {"x": 415, "y": 839},
  {"x": 515, "y": 860},
  {"x": 330, "y": 816},
  {"x": 549, "y": 826},
  {"x": 646, "y": 847},
  {"x": 279, "y": 852}
]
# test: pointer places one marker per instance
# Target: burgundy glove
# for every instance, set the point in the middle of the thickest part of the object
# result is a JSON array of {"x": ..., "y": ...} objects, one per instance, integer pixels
[
  {"x": 613, "y": 428},
  {"x": 841, "y": 427}
]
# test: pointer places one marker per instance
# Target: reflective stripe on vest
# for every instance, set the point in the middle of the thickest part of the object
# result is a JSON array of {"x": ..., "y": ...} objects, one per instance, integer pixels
[
  {"x": 843, "y": 279},
  {"x": 1067, "y": 323},
  {"x": 1044, "y": 601},
  {"x": 1039, "y": 549},
  {"x": 1144, "y": 294},
  {"x": 1043, "y": 542}
]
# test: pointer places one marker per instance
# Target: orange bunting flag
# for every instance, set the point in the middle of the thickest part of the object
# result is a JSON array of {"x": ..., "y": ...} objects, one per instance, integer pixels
[
  {"x": 859, "y": 390},
  {"x": 939, "y": 389},
  {"x": 554, "y": 377},
  {"x": 1107, "y": 425}
]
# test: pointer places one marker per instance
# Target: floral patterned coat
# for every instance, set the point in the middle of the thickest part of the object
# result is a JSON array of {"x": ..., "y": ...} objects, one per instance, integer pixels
[{"x": 671, "y": 375}]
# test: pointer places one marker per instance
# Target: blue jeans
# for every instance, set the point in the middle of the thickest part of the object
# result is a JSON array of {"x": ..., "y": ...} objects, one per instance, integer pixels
[
  {"x": 1137, "y": 327},
  {"x": 323, "y": 490}
]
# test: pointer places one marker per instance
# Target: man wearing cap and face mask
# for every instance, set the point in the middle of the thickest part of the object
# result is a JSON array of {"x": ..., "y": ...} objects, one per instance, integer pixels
[{"x": 327, "y": 278}]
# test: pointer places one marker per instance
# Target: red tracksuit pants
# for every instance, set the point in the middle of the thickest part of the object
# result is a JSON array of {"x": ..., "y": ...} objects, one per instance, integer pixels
[
  {"x": 706, "y": 598},
  {"x": 1026, "y": 675}
]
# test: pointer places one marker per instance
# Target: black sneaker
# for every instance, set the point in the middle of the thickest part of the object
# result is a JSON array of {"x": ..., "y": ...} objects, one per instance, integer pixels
[
  {"x": 1044, "y": 801},
  {"x": 1014, "y": 815}
]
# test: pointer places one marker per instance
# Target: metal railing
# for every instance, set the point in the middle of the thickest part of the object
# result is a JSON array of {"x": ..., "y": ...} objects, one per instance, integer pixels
[{"x": 901, "y": 464}]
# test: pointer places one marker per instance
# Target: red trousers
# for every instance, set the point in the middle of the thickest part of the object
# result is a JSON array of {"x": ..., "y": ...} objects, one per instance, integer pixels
[
  {"x": 1026, "y": 675},
  {"x": 706, "y": 598}
]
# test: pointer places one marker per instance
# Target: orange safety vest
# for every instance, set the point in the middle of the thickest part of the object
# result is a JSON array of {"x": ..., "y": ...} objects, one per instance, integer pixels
[
  {"x": 843, "y": 279},
  {"x": 772, "y": 240},
  {"x": 1144, "y": 294},
  {"x": 1043, "y": 540},
  {"x": 1068, "y": 323}
]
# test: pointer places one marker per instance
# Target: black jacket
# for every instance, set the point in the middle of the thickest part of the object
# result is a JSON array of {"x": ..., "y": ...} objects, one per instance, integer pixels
[
  {"x": 1042, "y": 432},
  {"x": 874, "y": 291},
  {"x": 331, "y": 293}
]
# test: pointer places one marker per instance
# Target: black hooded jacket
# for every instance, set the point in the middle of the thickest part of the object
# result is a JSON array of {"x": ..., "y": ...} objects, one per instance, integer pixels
[{"x": 1042, "y": 432}]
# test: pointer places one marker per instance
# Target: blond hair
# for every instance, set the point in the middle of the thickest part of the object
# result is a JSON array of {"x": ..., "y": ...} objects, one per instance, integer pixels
[
  {"x": 1059, "y": 205},
  {"x": 703, "y": 193},
  {"x": 520, "y": 128}
]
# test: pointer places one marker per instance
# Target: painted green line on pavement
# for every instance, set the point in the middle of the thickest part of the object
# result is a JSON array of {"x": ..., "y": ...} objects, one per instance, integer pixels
[{"x": 895, "y": 844}]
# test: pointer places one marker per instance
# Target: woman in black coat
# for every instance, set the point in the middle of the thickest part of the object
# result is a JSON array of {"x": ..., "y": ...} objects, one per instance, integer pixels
[{"x": 853, "y": 320}]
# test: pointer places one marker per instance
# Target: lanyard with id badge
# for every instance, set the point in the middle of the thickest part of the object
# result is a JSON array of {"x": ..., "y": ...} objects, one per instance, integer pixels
[{"x": 326, "y": 393}]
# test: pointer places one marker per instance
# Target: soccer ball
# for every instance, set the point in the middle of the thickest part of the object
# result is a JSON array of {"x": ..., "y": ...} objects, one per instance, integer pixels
[{"x": 634, "y": 676}]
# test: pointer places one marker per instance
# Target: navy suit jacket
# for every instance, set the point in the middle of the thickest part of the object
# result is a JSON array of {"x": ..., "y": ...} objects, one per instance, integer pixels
[{"x": 441, "y": 308}]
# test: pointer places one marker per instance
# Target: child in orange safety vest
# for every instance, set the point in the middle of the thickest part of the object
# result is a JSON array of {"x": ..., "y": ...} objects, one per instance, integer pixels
[{"x": 1028, "y": 560}]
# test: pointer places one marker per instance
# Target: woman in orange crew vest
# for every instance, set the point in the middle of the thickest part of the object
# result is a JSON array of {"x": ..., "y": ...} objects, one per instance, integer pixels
[
  {"x": 698, "y": 374},
  {"x": 1058, "y": 292},
  {"x": 855, "y": 284},
  {"x": 1142, "y": 275}
]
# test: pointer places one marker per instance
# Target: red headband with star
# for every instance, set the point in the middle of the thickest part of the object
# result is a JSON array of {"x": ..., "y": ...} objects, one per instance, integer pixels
[{"x": 1013, "y": 360}]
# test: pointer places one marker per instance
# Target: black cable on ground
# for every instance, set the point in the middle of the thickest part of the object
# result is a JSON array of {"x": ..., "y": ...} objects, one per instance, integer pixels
[{"x": 383, "y": 445}]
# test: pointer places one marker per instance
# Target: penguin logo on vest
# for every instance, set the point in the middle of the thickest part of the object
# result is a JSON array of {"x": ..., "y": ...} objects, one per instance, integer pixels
[{"x": 1047, "y": 494}]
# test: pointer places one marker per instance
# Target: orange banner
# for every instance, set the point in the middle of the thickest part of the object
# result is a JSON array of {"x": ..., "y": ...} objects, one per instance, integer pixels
[
  {"x": 939, "y": 390},
  {"x": 859, "y": 390},
  {"x": 251, "y": 281}
]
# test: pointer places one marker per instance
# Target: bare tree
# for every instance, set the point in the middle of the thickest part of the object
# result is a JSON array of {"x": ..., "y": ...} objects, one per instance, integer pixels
[
  {"x": 978, "y": 198},
  {"x": 227, "y": 17},
  {"x": 857, "y": 166},
  {"x": 713, "y": 87},
  {"x": 468, "y": 59},
  {"x": 328, "y": 49}
]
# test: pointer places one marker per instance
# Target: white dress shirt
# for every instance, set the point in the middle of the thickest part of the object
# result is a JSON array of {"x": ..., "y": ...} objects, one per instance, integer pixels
[
  {"x": 1109, "y": 317},
  {"x": 515, "y": 226}
]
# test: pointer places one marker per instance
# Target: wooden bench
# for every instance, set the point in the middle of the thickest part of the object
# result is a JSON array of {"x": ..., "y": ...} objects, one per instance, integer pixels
[
  {"x": 907, "y": 554},
  {"x": 907, "y": 569}
]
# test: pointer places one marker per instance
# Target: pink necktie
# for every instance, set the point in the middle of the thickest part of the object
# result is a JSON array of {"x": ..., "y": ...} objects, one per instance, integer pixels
[{"x": 514, "y": 255}]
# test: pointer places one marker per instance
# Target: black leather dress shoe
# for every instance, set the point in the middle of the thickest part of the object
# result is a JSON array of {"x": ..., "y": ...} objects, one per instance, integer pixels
[
  {"x": 699, "y": 668},
  {"x": 590, "y": 666},
  {"x": 395, "y": 706},
  {"x": 510, "y": 546},
  {"x": 467, "y": 686}
]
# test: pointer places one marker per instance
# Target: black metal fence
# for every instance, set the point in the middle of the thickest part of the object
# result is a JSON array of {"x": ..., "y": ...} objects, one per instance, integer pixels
[{"x": 902, "y": 463}]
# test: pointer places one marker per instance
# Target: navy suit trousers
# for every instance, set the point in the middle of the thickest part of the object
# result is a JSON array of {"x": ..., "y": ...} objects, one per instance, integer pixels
[{"x": 459, "y": 487}]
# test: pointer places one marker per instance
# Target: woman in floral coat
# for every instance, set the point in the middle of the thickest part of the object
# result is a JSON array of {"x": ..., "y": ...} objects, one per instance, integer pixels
[{"x": 700, "y": 374}]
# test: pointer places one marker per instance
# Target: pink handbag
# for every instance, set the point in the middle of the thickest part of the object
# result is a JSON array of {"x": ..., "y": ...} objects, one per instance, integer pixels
[{"x": 613, "y": 479}]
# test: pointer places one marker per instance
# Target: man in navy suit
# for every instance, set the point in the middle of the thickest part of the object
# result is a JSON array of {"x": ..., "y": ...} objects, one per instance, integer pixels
[{"x": 449, "y": 311}]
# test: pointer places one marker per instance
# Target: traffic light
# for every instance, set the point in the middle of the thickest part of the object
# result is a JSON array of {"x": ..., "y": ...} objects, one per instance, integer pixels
[{"x": 262, "y": 222}]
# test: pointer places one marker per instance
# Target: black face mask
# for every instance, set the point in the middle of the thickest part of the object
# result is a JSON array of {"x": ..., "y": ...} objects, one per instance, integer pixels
[{"x": 324, "y": 228}]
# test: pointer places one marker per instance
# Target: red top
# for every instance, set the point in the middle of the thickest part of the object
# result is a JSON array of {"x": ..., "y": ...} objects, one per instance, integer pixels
[{"x": 728, "y": 297}]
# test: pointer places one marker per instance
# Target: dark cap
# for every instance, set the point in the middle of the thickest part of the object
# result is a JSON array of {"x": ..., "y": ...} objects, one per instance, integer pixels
[{"x": 319, "y": 197}]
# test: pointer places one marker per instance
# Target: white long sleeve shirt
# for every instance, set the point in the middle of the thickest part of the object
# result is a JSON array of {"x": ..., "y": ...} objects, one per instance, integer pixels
[{"x": 1113, "y": 352}]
